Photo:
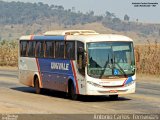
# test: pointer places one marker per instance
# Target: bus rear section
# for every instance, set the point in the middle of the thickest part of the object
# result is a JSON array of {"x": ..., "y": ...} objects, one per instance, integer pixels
[{"x": 50, "y": 62}]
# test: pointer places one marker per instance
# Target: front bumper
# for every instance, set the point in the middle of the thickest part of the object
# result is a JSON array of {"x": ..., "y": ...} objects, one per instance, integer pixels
[{"x": 99, "y": 90}]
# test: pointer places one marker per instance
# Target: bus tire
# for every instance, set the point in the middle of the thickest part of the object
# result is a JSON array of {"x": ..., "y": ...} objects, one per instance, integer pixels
[
  {"x": 113, "y": 97},
  {"x": 74, "y": 96},
  {"x": 72, "y": 91},
  {"x": 36, "y": 86}
]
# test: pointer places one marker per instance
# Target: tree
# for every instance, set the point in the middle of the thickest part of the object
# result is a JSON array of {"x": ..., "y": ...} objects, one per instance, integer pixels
[
  {"x": 91, "y": 13},
  {"x": 126, "y": 17},
  {"x": 110, "y": 15},
  {"x": 60, "y": 7},
  {"x": 73, "y": 9},
  {"x": 116, "y": 20},
  {"x": 137, "y": 20}
]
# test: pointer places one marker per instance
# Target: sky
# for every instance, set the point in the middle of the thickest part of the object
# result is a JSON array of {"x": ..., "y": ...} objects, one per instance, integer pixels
[{"x": 118, "y": 7}]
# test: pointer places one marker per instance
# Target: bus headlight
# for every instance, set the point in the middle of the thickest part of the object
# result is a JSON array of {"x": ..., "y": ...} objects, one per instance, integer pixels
[{"x": 94, "y": 84}]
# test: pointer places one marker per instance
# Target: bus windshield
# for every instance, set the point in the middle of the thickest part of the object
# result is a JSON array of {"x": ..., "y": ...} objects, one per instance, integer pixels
[{"x": 106, "y": 59}]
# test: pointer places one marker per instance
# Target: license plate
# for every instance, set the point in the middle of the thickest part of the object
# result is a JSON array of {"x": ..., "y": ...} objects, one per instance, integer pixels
[{"x": 113, "y": 91}]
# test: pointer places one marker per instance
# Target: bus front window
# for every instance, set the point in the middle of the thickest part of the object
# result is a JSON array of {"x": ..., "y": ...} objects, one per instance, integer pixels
[{"x": 110, "y": 59}]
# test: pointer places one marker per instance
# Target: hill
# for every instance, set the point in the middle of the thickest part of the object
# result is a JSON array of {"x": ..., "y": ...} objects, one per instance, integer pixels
[{"x": 18, "y": 18}]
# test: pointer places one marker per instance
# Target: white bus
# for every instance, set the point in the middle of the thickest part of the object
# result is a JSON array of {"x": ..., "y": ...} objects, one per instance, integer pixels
[{"x": 78, "y": 62}]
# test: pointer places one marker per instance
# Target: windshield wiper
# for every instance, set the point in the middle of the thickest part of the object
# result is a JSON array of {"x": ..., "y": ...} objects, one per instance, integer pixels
[
  {"x": 121, "y": 70},
  {"x": 103, "y": 71}
]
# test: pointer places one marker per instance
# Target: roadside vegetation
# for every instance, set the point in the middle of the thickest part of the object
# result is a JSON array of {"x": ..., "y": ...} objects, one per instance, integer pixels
[
  {"x": 8, "y": 53},
  {"x": 149, "y": 62}
]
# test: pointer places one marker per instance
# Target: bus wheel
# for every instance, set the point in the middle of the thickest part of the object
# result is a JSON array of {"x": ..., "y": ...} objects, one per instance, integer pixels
[
  {"x": 113, "y": 97},
  {"x": 72, "y": 93},
  {"x": 36, "y": 86}
]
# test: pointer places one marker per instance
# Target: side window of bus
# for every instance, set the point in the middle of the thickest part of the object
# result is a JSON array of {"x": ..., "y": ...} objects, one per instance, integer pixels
[
  {"x": 80, "y": 57},
  {"x": 31, "y": 48},
  {"x": 59, "y": 50},
  {"x": 70, "y": 50},
  {"x": 40, "y": 49},
  {"x": 23, "y": 48},
  {"x": 49, "y": 53}
]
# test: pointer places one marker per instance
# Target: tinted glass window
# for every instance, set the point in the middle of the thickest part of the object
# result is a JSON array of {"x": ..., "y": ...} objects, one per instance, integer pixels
[
  {"x": 70, "y": 50},
  {"x": 59, "y": 50},
  {"x": 49, "y": 49},
  {"x": 31, "y": 48},
  {"x": 40, "y": 49},
  {"x": 23, "y": 48}
]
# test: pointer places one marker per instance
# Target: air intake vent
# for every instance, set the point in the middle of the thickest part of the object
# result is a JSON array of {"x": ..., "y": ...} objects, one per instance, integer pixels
[{"x": 70, "y": 32}]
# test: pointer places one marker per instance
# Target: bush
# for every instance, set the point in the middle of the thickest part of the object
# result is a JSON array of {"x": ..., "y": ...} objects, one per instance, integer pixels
[
  {"x": 8, "y": 53},
  {"x": 149, "y": 59}
]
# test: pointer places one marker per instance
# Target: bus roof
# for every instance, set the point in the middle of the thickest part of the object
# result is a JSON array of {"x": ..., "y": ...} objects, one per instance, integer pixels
[
  {"x": 79, "y": 35},
  {"x": 99, "y": 38}
]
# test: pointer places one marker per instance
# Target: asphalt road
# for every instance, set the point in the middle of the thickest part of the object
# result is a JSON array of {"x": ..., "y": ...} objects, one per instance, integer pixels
[
  {"x": 9, "y": 73},
  {"x": 17, "y": 98}
]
